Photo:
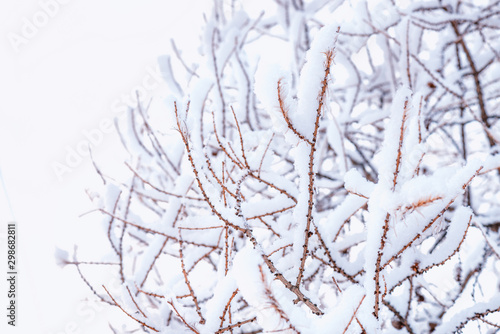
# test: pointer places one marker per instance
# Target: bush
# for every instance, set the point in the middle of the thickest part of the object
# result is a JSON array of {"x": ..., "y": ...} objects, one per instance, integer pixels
[{"x": 353, "y": 187}]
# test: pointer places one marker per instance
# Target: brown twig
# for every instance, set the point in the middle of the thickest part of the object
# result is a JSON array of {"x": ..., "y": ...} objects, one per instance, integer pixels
[
  {"x": 353, "y": 315},
  {"x": 121, "y": 308},
  {"x": 182, "y": 318},
  {"x": 284, "y": 113},
  {"x": 236, "y": 325},
  {"x": 188, "y": 283},
  {"x": 309, "y": 218}
]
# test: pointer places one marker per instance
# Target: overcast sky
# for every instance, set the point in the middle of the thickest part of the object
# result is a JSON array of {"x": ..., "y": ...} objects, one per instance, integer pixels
[{"x": 67, "y": 68}]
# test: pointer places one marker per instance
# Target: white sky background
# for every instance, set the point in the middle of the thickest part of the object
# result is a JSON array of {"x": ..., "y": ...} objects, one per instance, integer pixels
[{"x": 64, "y": 80}]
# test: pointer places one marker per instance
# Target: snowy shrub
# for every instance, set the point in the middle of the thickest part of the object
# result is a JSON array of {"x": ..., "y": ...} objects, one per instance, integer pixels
[{"x": 334, "y": 169}]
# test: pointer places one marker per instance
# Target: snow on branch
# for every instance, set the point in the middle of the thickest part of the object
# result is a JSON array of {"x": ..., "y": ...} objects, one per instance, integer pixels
[{"x": 349, "y": 187}]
